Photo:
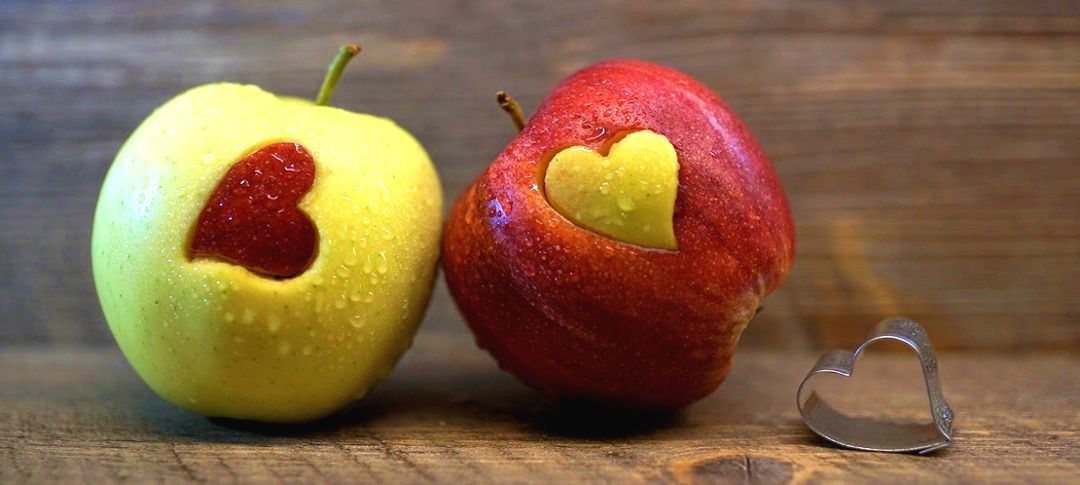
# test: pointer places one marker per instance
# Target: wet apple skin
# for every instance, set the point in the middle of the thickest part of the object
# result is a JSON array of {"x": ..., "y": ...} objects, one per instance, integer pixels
[
  {"x": 627, "y": 194},
  {"x": 581, "y": 316},
  {"x": 252, "y": 219},
  {"x": 219, "y": 340}
]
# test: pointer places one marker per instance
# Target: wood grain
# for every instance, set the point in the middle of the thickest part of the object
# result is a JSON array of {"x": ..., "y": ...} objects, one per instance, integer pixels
[
  {"x": 448, "y": 415},
  {"x": 930, "y": 149}
]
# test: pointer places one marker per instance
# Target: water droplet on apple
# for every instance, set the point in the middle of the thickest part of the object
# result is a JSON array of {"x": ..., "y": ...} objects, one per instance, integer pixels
[
  {"x": 498, "y": 211},
  {"x": 273, "y": 323},
  {"x": 381, "y": 264},
  {"x": 592, "y": 131},
  {"x": 366, "y": 267},
  {"x": 625, "y": 203},
  {"x": 384, "y": 191},
  {"x": 357, "y": 320},
  {"x": 369, "y": 298},
  {"x": 340, "y": 302},
  {"x": 249, "y": 316},
  {"x": 605, "y": 188},
  {"x": 351, "y": 258}
]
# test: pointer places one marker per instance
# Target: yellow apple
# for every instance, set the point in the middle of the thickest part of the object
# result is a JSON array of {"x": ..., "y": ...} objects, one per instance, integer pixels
[{"x": 221, "y": 340}]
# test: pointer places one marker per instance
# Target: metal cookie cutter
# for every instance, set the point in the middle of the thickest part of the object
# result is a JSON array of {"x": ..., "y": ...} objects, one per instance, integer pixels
[{"x": 874, "y": 435}]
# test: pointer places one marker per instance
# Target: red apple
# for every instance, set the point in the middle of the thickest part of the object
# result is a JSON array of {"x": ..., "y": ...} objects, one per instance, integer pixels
[{"x": 581, "y": 311}]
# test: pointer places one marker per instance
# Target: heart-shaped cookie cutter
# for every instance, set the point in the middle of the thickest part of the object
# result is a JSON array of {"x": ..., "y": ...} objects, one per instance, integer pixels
[{"x": 874, "y": 435}]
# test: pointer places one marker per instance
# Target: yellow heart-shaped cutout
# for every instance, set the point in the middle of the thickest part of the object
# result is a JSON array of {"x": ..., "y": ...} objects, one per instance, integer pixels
[{"x": 627, "y": 195}]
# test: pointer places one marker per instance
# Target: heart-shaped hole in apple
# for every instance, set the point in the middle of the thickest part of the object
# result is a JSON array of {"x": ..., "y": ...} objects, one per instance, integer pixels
[
  {"x": 627, "y": 193},
  {"x": 252, "y": 218}
]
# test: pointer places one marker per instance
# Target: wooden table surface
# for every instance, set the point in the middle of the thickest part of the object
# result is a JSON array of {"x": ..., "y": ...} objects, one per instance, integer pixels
[
  {"x": 448, "y": 415},
  {"x": 930, "y": 151}
]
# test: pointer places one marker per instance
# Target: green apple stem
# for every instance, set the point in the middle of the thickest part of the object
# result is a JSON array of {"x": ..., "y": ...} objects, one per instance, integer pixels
[
  {"x": 511, "y": 107},
  {"x": 333, "y": 73}
]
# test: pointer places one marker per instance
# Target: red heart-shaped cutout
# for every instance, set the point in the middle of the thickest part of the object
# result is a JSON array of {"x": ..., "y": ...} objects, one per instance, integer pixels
[{"x": 252, "y": 218}]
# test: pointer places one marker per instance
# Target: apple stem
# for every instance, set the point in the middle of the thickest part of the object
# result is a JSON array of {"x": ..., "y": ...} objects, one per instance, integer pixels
[
  {"x": 333, "y": 73},
  {"x": 511, "y": 107}
]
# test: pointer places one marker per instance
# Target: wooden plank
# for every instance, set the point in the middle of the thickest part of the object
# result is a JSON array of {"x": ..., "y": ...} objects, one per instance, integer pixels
[
  {"x": 929, "y": 148},
  {"x": 448, "y": 415}
]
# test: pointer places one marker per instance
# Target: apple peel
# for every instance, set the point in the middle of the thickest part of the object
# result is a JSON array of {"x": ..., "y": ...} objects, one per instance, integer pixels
[
  {"x": 627, "y": 194},
  {"x": 252, "y": 218}
]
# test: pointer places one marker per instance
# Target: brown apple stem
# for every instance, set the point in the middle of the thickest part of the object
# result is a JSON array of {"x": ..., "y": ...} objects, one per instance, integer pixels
[
  {"x": 333, "y": 73},
  {"x": 511, "y": 107}
]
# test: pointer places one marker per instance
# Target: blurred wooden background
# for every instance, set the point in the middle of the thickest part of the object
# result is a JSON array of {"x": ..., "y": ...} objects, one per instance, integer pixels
[{"x": 930, "y": 149}]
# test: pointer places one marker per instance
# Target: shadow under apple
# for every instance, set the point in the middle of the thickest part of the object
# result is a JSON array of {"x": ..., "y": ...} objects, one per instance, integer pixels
[{"x": 461, "y": 405}]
